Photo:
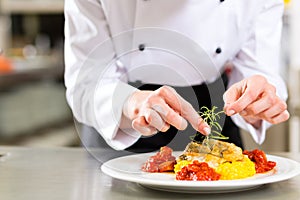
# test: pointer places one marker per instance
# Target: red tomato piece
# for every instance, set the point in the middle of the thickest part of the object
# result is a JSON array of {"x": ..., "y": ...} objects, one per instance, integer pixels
[
  {"x": 197, "y": 171},
  {"x": 260, "y": 159}
]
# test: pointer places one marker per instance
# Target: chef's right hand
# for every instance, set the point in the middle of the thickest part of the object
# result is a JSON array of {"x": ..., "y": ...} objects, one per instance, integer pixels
[{"x": 151, "y": 111}]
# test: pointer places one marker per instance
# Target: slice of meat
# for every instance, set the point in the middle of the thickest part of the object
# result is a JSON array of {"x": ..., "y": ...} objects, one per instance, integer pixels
[{"x": 162, "y": 161}]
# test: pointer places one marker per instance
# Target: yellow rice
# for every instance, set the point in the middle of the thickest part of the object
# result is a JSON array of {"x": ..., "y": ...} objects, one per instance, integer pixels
[
  {"x": 228, "y": 170},
  {"x": 236, "y": 169},
  {"x": 180, "y": 164}
]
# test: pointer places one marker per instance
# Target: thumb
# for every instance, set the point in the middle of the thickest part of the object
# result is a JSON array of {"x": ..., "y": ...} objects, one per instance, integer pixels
[{"x": 231, "y": 96}]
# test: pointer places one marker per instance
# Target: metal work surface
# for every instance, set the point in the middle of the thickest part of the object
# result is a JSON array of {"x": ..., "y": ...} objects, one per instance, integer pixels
[{"x": 71, "y": 173}]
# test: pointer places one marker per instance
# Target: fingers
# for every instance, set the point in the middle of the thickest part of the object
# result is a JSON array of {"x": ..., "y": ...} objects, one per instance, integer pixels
[
  {"x": 154, "y": 119},
  {"x": 231, "y": 96},
  {"x": 183, "y": 109},
  {"x": 285, "y": 115},
  {"x": 255, "y": 98},
  {"x": 169, "y": 115},
  {"x": 274, "y": 110},
  {"x": 150, "y": 123},
  {"x": 140, "y": 125},
  {"x": 248, "y": 96},
  {"x": 265, "y": 102},
  {"x": 242, "y": 94},
  {"x": 274, "y": 113},
  {"x": 165, "y": 107}
]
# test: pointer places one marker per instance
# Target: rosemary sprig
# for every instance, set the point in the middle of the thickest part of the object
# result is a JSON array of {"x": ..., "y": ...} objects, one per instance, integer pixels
[{"x": 211, "y": 117}]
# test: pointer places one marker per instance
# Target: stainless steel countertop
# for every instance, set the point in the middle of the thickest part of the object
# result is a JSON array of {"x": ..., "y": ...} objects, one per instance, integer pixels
[{"x": 71, "y": 173}]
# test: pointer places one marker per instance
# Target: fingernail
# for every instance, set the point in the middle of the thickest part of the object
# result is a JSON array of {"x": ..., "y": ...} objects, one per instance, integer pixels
[
  {"x": 207, "y": 130},
  {"x": 164, "y": 129},
  {"x": 224, "y": 97},
  {"x": 184, "y": 124},
  {"x": 231, "y": 112}
]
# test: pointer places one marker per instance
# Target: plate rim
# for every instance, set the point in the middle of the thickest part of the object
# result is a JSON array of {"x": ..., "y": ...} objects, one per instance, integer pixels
[{"x": 240, "y": 183}]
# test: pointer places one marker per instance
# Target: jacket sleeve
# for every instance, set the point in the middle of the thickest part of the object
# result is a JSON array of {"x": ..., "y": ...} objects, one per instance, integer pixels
[
  {"x": 96, "y": 90},
  {"x": 260, "y": 54}
]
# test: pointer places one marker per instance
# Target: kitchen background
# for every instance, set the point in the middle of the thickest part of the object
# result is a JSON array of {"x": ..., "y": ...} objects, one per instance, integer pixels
[{"x": 33, "y": 109}]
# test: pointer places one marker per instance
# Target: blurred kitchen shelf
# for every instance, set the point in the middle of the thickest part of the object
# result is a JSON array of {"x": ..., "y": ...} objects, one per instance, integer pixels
[
  {"x": 60, "y": 135},
  {"x": 31, "y": 72},
  {"x": 32, "y": 106},
  {"x": 31, "y": 6}
]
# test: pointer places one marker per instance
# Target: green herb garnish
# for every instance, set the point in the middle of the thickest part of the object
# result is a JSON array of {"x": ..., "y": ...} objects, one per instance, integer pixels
[{"x": 211, "y": 117}]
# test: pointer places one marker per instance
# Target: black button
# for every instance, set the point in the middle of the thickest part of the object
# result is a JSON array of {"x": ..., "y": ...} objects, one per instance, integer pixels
[
  {"x": 222, "y": 1},
  {"x": 142, "y": 47},
  {"x": 218, "y": 50}
]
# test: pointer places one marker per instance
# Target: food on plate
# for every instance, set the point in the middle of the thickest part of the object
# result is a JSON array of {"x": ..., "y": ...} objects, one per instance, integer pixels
[
  {"x": 162, "y": 161},
  {"x": 197, "y": 171},
  {"x": 211, "y": 159},
  {"x": 225, "y": 158},
  {"x": 217, "y": 160},
  {"x": 260, "y": 159}
]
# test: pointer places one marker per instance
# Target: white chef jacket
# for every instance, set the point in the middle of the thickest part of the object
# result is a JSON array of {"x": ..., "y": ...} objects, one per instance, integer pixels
[{"x": 245, "y": 33}]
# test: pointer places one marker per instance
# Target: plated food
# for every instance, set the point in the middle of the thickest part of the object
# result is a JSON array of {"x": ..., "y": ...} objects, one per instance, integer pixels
[
  {"x": 210, "y": 160},
  {"x": 128, "y": 168}
]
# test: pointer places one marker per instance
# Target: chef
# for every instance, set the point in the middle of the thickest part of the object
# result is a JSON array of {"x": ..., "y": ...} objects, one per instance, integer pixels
[{"x": 137, "y": 71}]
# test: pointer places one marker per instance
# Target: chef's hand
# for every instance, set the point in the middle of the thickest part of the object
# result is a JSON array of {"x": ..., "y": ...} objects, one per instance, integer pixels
[
  {"x": 255, "y": 100},
  {"x": 151, "y": 111}
]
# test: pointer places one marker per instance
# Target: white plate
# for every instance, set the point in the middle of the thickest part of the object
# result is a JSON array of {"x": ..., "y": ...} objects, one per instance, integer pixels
[{"x": 128, "y": 168}]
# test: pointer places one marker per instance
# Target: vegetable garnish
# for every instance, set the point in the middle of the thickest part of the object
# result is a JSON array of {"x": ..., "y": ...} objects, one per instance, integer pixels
[{"x": 211, "y": 117}]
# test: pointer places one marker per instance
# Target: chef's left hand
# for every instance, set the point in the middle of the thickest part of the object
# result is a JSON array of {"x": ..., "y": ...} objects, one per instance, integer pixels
[{"x": 255, "y": 100}]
